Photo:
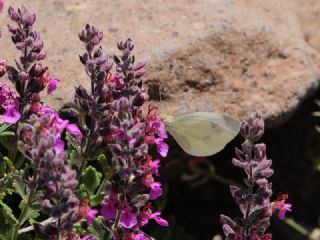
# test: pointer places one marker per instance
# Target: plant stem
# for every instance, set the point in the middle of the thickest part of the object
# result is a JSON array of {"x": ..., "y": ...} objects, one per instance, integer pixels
[
  {"x": 116, "y": 223},
  {"x": 250, "y": 182},
  {"x": 31, "y": 228},
  {"x": 23, "y": 215}
]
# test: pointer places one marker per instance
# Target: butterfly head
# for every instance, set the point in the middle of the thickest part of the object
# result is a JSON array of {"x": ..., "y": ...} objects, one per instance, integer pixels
[{"x": 167, "y": 119}]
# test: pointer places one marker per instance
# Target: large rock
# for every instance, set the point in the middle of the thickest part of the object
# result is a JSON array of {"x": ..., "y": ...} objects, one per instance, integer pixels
[{"x": 229, "y": 56}]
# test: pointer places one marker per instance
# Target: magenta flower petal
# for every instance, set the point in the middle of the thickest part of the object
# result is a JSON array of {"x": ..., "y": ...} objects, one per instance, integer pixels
[
  {"x": 73, "y": 129},
  {"x": 59, "y": 145},
  {"x": 52, "y": 85},
  {"x": 155, "y": 167},
  {"x": 128, "y": 219},
  {"x": 108, "y": 211},
  {"x": 162, "y": 149},
  {"x": 11, "y": 115},
  {"x": 282, "y": 211},
  {"x": 91, "y": 215},
  {"x": 156, "y": 190},
  {"x": 156, "y": 216}
]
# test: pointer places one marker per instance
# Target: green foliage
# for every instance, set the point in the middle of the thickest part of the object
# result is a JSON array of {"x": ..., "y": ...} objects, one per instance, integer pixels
[
  {"x": 104, "y": 164},
  {"x": 91, "y": 180},
  {"x": 32, "y": 212},
  {"x": 9, "y": 163},
  {"x": 5, "y": 132},
  {"x": 8, "y": 215},
  {"x": 96, "y": 227},
  {"x": 5, "y": 229}
]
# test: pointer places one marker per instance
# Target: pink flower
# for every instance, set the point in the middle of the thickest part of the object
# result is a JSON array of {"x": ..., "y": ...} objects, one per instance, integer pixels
[
  {"x": 282, "y": 207},
  {"x": 108, "y": 210},
  {"x": 91, "y": 215},
  {"x": 156, "y": 190},
  {"x": 128, "y": 219},
  {"x": 155, "y": 167},
  {"x": 58, "y": 123},
  {"x": 59, "y": 145},
  {"x": 146, "y": 214},
  {"x": 87, "y": 212},
  {"x": 73, "y": 129},
  {"x": 162, "y": 148},
  {"x": 9, "y": 104},
  {"x": 147, "y": 180},
  {"x": 155, "y": 132},
  {"x": 11, "y": 115},
  {"x": 50, "y": 82},
  {"x": 52, "y": 85},
  {"x": 156, "y": 216}
]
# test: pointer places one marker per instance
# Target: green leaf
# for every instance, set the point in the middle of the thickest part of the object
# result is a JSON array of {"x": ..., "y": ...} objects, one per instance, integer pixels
[
  {"x": 72, "y": 157},
  {"x": 96, "y": 229},
  {"x": 31, "y": 215},
  {"x": 19, "y": 186},
  {"x": 9, "y": 162},
  {"x": 5, "y": 229},
  {"x": 4, "y": 127},
  {"x": 91, "y": 179},
  {"x": 104, "y": 163},
  {"x": 6, "y": 134},
  {"x": 97, "y": 199},
  {"x": 8, "y": 215}
]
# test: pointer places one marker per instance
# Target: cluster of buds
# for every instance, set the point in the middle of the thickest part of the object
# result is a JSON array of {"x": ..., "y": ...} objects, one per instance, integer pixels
[
  {"x": 29, "y": 77},
  {"x": 91, "y": 108},
  {"x": 254, "y": 203},
  {"x": 52, "y": 176}
]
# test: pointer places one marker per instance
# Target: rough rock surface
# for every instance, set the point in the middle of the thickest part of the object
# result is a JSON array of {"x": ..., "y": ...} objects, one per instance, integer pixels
[{"x": 229, "y": 56}]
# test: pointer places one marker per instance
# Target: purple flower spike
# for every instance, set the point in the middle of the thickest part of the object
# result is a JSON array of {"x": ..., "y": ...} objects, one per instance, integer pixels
[{"x": 254, "y": 203}]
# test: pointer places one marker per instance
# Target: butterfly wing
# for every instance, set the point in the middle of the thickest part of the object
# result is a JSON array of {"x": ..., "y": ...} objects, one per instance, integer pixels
[{"x": 203, "y": 133}]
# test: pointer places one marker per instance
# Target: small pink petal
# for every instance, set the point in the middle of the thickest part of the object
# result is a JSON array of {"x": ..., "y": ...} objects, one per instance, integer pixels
[
  {"x": 91, "y": 215},
  {"x": 156, "y": 190},
  {"x": 52, "y": 85},
  {"x": 73, "y": 129},
  {"x": 128, "y": 219},
  {"x": 156, "y": 216},
  {"x": 282, "y": 212},
  {"x": 108, "y": 211},
  {"x": 59, "y": 145},
  {"x": 163, "y": 149},
  {"x": 155, "y": 167},
  {"x": 11, "y": 115}
]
